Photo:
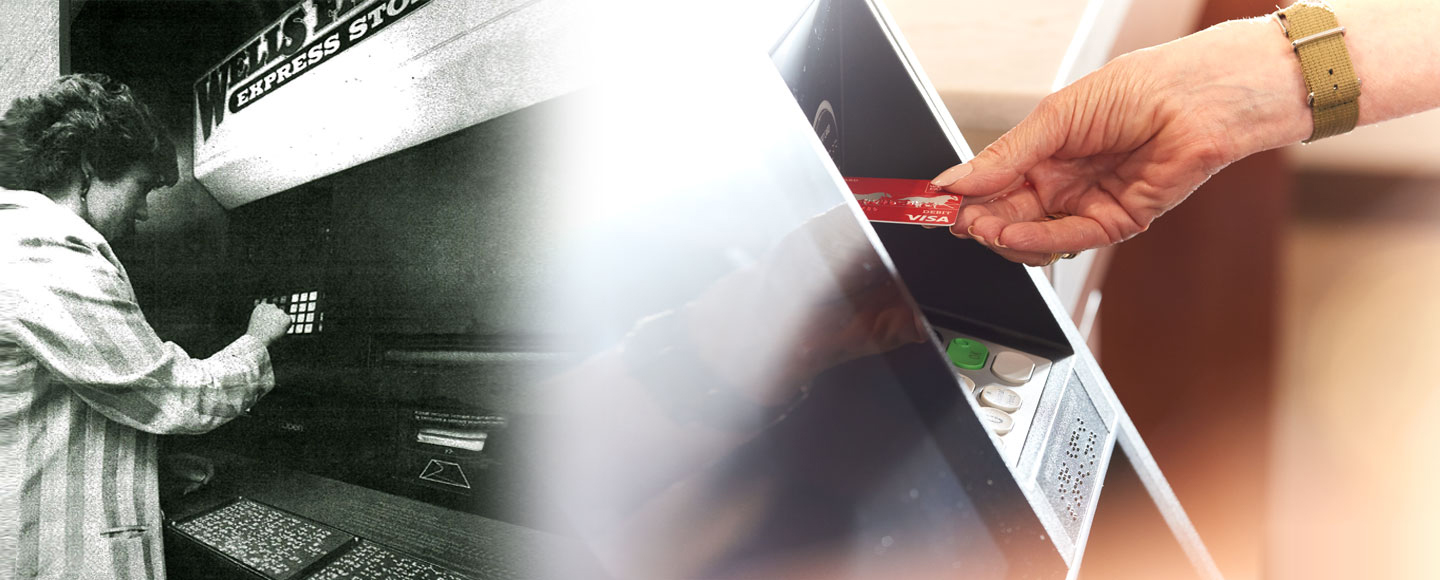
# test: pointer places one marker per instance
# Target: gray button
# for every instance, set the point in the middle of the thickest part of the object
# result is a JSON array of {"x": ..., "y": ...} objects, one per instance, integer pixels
[
  {"x": 1012, "y": 368},
  {"x": 997, "y": 420},
  {"x": 1001, "y": 398}
]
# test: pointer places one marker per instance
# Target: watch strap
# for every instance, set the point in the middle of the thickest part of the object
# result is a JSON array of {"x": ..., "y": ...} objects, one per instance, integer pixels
[{"x": 1319, "y": 42}]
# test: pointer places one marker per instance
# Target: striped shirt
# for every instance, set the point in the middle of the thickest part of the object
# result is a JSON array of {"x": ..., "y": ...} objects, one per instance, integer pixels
[{"x": 84, "y": 387}]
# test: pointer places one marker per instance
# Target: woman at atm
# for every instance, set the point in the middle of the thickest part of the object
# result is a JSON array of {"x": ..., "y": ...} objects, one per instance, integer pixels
[{"x": 84, "y": 381}]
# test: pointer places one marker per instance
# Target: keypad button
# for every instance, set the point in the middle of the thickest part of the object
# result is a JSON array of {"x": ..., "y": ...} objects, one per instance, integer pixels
[
  {"x": 967, "y": 354},
  {"x": 966, "y": 383},
  {"x": 998, "y": 421},
  {"x": 1012, "y": 368},
  {"x": 1001, "y": 398}
]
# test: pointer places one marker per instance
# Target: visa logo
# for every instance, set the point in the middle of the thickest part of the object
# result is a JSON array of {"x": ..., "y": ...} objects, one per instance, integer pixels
[{"x": 925, "y": 218}]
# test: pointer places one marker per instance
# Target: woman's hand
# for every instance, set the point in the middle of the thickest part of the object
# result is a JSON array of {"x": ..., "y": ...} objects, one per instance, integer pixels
[
  {"x": 268, "y": 323},
  {"x": 1120, "y": 147}
]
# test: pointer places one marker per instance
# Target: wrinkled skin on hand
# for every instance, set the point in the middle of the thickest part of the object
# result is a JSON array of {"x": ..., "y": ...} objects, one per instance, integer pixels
[{"x": 1122, "y": 146}]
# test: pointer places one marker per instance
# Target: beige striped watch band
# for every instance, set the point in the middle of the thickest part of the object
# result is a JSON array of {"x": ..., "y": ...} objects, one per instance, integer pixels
[{"x": 1319, "y": 42}]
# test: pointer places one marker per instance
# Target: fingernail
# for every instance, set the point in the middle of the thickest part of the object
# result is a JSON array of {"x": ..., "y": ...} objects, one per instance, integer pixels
[
  {"x": 971, "y": 230},
  {"x": 952, "y": 175},
  {"x": 1000, "y": 245}
]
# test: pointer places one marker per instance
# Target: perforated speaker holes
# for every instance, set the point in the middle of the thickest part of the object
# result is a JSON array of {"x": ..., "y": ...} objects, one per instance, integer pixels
[{"x": 1073, "y": 475}]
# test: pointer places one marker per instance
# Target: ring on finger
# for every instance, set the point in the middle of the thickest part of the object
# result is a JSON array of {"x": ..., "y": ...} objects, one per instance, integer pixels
[{"x": 1057, "y": 256}]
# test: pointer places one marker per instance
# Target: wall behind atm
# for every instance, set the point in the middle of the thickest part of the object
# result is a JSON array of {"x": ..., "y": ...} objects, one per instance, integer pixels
[
  {"x": 1189, "y": 334},
  {"x": 29, "y": 47},
  {"x": 1291, "y": 288}
]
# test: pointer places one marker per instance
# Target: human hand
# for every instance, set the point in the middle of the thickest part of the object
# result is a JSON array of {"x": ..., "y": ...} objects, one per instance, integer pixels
[
  {"x": 268, "y": 323},
  {"x": 1117, "y": 149},
  {"x": 191, "y": 471}
]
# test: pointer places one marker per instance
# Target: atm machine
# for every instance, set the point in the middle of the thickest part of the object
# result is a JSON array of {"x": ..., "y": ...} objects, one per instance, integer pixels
[
  {"x": 1060, "y": 431},
  {"x": 995, "y": 448},
  {"x": 371, "y": 159},
  {"x": 527, "y": 285}
]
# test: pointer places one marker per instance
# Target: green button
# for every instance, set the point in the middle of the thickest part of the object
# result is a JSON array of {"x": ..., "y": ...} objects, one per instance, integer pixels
[{"x": 967, "y": 354}]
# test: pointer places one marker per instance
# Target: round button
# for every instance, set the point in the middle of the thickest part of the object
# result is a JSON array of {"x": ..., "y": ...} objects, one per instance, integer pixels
[
  {"x": 967, "y": 354},
  {"x": 1001, "y": 398},
  {"x": 997, "y": 420},
  {"x": 1012, "y": 368}
]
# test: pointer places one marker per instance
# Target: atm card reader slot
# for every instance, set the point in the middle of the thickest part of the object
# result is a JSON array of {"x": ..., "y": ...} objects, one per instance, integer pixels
[
  {"x": 447, "y": 449},
  {"x": 465, "y": 440},
  {"x": 456, "y": 431}
]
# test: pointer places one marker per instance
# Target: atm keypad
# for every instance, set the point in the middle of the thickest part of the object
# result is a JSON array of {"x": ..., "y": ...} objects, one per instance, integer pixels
[
  {"x": 303, "y": 308},
  {"x": 1006, "y": 382}
]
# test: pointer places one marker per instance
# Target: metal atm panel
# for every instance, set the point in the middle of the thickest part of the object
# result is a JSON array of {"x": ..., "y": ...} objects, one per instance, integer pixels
[
  {"x": 889, "y": 122},
  {"x": 883, "y": 470},
  {"x": 723, "y": 193}
]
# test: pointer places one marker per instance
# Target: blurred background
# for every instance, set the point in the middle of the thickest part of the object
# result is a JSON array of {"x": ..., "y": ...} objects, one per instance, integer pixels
[{"x": 1272, "y": 336}]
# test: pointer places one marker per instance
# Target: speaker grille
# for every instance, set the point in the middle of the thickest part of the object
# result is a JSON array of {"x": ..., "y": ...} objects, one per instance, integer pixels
[{"x": 1073, "y": 457}]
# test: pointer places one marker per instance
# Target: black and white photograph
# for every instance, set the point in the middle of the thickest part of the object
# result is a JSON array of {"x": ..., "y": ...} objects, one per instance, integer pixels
[{"x": 268, "y": 277}]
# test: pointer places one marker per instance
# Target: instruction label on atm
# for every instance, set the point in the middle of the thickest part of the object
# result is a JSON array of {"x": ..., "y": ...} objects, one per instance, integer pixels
[{"x": 904, "y": 201}]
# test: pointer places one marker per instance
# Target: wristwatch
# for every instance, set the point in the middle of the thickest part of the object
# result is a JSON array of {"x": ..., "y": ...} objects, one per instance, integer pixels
[{"x": 1319, "y": 42}]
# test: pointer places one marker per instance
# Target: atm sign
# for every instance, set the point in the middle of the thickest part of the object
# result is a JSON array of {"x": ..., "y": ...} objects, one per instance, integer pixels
[
  {"x": 306, "y": 37},
  {"x": 357, "y": 28}
]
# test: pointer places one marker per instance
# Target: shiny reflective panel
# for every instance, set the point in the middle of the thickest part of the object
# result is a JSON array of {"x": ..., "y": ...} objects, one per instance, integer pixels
[{"x": 741, "y": 401}]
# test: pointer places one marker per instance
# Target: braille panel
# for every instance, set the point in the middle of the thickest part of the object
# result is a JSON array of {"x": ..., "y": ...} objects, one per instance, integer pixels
[{"x": 1072, "y": 457}]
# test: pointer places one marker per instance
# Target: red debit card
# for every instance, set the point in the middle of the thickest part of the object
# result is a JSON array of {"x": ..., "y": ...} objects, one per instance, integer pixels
[{"x": 904, "y": 201}]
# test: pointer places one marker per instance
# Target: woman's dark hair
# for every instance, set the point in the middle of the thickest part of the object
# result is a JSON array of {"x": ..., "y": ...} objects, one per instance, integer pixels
[{"x": 44, "y": 138}]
